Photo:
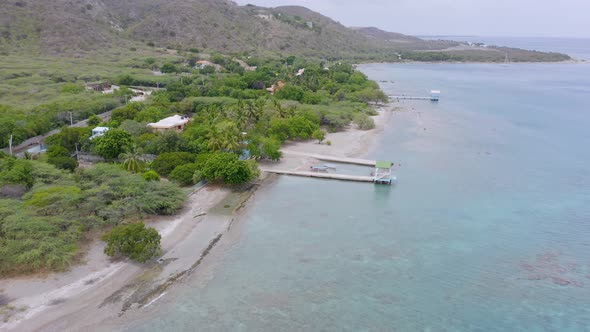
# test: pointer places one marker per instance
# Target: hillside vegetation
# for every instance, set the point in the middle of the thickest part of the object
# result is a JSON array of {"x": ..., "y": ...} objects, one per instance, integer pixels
[{"x": 80, "y": 27}]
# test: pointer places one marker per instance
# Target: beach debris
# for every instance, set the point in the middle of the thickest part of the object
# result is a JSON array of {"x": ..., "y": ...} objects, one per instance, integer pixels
[
  {"x": 57, "y": 301},
  {"x": 4, "y": 300},
  {"x": 90, "y": 281},
  {"x": 200, "y": 214}
]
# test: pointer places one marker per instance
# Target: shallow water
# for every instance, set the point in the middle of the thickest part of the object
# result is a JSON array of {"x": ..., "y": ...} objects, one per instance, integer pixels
[{"x": 487, "y": 229}]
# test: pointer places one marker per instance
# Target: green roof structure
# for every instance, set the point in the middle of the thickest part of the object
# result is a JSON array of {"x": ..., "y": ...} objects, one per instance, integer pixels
[{"x": 383, "y": 164}]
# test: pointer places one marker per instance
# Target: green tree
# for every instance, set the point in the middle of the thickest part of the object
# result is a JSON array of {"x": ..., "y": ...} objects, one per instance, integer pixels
[
  {"x": 113, "y": 143},
  {"x": 135, "y": 241}
]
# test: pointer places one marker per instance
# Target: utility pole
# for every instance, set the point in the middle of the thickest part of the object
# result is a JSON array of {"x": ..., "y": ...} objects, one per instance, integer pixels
[
  {"x": 10, "y": 144},
  {"x": 77, "y": 155},
  {"x": 71, "y": 119}
]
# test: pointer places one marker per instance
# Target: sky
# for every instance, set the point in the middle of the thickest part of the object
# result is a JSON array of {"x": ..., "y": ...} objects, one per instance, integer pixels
[{"x": 526, "y": 18}]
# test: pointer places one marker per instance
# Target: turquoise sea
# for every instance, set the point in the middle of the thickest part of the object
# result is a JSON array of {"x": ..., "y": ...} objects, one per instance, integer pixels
[{"x": 487, "y": 229}]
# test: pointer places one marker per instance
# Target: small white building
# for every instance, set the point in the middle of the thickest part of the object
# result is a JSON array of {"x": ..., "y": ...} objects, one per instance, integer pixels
[
  {"x": 175, "y": 122},
  {"x": 99, "y": 131},
  {"x": 300, "y": 72},
  {"x": 112, "y": 89},
  {"x": 434, "y": 95}
]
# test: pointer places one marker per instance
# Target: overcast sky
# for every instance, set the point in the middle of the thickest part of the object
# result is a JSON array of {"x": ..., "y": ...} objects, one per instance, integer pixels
[{"x": 530, "y": 18}]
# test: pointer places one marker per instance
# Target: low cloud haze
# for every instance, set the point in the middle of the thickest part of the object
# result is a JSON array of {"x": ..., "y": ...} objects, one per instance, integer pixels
[{"x": 531, "y": 18}]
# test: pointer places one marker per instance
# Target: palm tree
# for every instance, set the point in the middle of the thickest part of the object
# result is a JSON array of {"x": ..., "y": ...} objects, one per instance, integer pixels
[
  {"x": 131, "y": 159},
  {"x": 255, "y": 109},
  {"x": 279, "y": 108},
  {"x": 224, "y": 136},
  {"x": 240, "y": 114},
  {"x": 213, "y": 113}
]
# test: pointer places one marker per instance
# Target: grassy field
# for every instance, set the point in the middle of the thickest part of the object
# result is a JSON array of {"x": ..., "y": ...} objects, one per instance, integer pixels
[{"x": 37, "y": 93}]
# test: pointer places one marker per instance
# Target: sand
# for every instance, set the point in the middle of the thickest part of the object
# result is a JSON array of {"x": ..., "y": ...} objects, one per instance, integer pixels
[{"x": 100, "y": 289}]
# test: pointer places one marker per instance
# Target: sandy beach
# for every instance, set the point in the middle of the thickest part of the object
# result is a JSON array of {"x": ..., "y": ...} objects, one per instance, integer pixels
[{"x": 99, "y": 288}]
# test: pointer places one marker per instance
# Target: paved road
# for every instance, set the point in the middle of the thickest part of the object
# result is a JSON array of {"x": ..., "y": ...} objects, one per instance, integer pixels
[{"x": 33, "y": 141}]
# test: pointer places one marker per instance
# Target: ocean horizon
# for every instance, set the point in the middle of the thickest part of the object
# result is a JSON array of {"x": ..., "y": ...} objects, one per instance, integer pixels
[{"x": 486, "y": 229}]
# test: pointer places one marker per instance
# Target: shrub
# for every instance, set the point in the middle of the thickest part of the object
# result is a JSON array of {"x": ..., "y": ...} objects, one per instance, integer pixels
[
  {"x": 134, "y": 241},
  {"x": 128, "y": 112},
  {"x": 62, "y": 162},
  {"x": 32, "y": 243},
  {"x": 364, "y": 122},
  {"x": 184, "y": 174},
  {"x": 165, "y": 163},
  {"x": 16, "y": 172},
  {"x": 271, "y": 149},
  {"x": 69, "y": 137},
  {"x": 291, "y": 92},
  {"x": 161, "y": 198},
  {"x": 227, "y": 168},
  {"x": 319, "y": 134},
  {"x": 54, "y": 200},
  {"x": 94, "y": 120},
  {"x": 72, "y": 88},
  {"x": 169, "y": 68},
  {"x": 57, "y": 151},
  {"x": 151, "y": 176}
]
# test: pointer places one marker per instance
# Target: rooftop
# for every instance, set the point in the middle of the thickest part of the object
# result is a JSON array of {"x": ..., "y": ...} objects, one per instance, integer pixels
[
  {"x": 383, "y": 164},
  {"x": 100, "y": 129},
  {"x": 169, "y": 122}
]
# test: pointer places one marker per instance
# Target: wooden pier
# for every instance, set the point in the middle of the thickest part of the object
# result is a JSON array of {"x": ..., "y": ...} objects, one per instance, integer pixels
[
  {"x": 381, "y": 175},
  {"x": 434, "y": 96},
  {"x": 345, "y": 160},
  {"x": 410, "y": 98},
  {"x": 333, "y": 176}
]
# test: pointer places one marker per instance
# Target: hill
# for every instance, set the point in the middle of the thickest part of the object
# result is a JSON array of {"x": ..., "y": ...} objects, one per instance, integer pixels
[{"x": 82, "y": 27}]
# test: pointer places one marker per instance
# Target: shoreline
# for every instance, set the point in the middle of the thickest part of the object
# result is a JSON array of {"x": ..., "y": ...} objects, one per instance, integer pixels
[
  {"x": 413, "y": 62},
  {"x": 101, "y": 289}
]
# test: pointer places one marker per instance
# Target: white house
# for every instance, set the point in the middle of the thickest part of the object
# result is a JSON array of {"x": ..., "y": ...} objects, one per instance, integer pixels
[
  {"x": 98, "y": 131},
  {"x": 175, "y": 122}
]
